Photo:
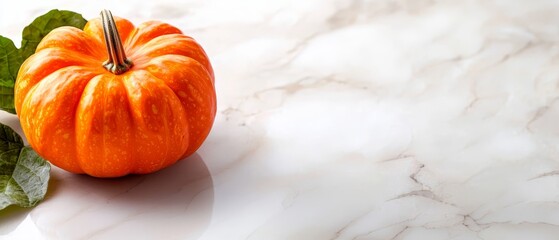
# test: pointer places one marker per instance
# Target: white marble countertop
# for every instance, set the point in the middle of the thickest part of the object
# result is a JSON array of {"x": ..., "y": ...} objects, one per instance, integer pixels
[{"x": 339, "y": 120}]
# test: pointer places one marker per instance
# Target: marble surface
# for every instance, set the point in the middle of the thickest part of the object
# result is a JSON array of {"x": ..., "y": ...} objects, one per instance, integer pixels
[{"x": 339, "y": 120}]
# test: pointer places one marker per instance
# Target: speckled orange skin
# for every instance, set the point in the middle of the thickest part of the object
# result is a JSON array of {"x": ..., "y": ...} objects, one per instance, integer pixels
[{"x": 85, "y": 119}]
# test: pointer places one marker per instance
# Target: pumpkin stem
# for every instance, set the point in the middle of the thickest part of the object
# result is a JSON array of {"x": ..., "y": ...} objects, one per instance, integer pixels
[{"x": 117, "y": 62}]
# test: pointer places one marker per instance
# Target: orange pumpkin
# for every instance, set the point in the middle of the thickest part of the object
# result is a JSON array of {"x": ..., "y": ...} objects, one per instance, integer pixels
[{"x": 108, "y": 102}]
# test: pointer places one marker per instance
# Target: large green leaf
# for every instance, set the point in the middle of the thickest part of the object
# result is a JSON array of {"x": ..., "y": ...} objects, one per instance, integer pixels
[
  {"x": 7, "y": 99},
  {"x": 11, "y": 58},
  {"x": 42, "y": 25},
  {"x": 24, "y": 175}
]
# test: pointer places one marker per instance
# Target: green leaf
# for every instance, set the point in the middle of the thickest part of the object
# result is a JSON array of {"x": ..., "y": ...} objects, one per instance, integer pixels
[
  {"x": 41, "y": 26},
  {"x": 11, "y": 58},
  {"x": 24, "y": 175},
  {"x": 7, "y": 99},
  {"x": 10, "y": 61}
]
